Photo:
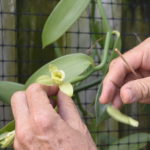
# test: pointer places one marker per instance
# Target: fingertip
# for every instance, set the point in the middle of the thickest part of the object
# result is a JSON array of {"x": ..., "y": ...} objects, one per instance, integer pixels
[
  {"x": 126, "y": 95},
  {"x": 62, "y": 98},
  {"x": 117, "y": 104},
  {"x": 52, "y": 90},
  {"x": 102, "y": 100},
  {"x": 108, "y": 93},
  {"x": 61, "y": 95}
]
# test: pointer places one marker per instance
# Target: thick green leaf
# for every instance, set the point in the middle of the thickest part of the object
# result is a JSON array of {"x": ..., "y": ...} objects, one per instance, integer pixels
[
  {"x": 132, "y": 142},
  {"x": 102, "y": 12},
  {"x": 101, "y": 113},
  {"x": 73, "y": 65},
  {"x": 63, "y": 16},
  {"x": 8, "y": 127},
  {"x": 119, "y": 116},
  {"x": 7, "y": 89},
  {"x": 100, "y": 109},
  {"x": 106, "y": 139}
]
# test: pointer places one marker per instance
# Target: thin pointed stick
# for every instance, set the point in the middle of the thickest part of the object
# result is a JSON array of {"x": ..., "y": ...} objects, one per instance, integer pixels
[{"x": 129, "y": 66}]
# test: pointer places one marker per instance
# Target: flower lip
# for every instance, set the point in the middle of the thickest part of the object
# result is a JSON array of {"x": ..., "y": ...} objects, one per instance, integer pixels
[{"x": 58, "y": 76}]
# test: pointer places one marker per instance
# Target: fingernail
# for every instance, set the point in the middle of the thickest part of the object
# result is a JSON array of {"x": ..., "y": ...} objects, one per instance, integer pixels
[{"x": 128, "y": 96}]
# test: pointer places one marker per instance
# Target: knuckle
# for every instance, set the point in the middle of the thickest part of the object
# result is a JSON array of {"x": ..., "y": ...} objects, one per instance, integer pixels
[
  {"x": 84, "y": 128},
  {"x": 70, "y": 104},
  {"x": 24, "y": 136},
  {"x": 35, "y": 87},
  {"x": 143, "y": 89},
  {"x": 17, "y": 95},
  {"x": 42, "y": 122},
  {"x": 113, "y": 63}
]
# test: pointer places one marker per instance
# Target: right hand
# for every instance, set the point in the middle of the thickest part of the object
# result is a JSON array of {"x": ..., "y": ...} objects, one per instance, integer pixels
[{"x": 120, "y": 85}]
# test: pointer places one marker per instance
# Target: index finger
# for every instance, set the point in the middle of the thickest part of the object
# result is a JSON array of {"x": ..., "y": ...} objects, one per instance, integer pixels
[
  {"x": 69, "y": 112},
  {"x": 118, "y": 70},
  {"x": 20, "y": 109},
  {"x": 38, "y": 100}
]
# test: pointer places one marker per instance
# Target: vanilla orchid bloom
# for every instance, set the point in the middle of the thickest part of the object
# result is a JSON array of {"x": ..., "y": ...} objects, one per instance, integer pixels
[
  {"x": 7, "y": 139},
  {"x": 56, "y": 77}
]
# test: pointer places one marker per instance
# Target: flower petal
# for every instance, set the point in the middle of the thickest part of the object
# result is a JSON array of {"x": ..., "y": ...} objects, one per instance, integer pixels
[
  {"x": 45, "y": 79},
  {"x": 7, "y": 139},
  {"x": 66, "y": 88},
  {"x": 58, "y": 76}
]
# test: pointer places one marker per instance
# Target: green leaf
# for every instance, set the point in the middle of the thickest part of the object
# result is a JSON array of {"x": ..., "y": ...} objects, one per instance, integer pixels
[
  {"x": 8, "y": 127},
  {"x": 62, "y": 17},
  {"x": 100, "y": 109},
  {"x": 7, "y": 89},
  {"x": 101, "y": 113},
  {"x": 102, "y": 12},
  {"x": 73, "y": 65},
  {"x": 132, "y": 142},
  {"x": 119, "y": 116},
  {"x": 106, "y": 139}
]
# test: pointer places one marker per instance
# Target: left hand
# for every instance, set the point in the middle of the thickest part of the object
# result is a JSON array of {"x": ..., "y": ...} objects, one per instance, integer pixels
[{"x": 40, "y": 127}]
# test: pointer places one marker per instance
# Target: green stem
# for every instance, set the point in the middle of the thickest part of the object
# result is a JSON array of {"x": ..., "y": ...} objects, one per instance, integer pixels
[
  {"x": 88, "y": 85},
  {"x": 117, "y": 44},
  {"x": 104, "y": 58},
  {"x": 57, "y": 50},
  {"x": 84, "y": 76},
  {"x": 93, "y": 50},
  {"x": 77, "y": 98},
  {"x": 117, "y": 33},
  {"x": 106, "y": 50},
  {"x": 93, "y": 10},
  {"x": 103, "y": 15}
]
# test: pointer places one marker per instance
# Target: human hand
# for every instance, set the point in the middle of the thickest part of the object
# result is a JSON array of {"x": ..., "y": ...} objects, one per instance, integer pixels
[
  {"x": 40, "y": 127},
  {"x": 120, "y": 86}
]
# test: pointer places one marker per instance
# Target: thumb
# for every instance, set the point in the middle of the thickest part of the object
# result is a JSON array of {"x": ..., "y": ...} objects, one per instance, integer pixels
[
  {"x": 137, "y": 90},
  {"x": 68, "y": 111}
]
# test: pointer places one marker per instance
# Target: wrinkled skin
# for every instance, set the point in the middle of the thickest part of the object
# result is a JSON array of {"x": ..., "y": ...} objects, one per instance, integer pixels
[
  {"x": 40, "y": 127},
  {"x": 120, "y": 86}
]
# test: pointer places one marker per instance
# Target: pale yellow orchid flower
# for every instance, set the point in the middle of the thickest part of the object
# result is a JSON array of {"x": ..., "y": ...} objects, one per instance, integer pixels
[
  {"x": 56, "y": 77},
  {"x": 7, "y": 139}
]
